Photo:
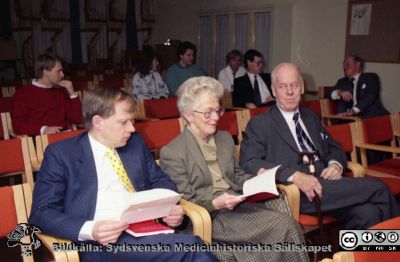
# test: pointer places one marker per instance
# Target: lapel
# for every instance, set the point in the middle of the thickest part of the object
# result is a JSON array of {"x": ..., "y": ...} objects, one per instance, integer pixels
[
  {"x": 130, "y": 157},
  {"x": 195, "y": 153},
  {"x": 223, "y": 156},
  {"x": 249, "y": 85},
  {"x": 282, "y": 128},
  {"x": 360, "y": 82},
  {"x": 87, "y": 175}
]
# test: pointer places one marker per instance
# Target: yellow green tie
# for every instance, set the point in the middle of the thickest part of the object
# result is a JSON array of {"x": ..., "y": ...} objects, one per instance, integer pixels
[{"x": 119, "y": 169}]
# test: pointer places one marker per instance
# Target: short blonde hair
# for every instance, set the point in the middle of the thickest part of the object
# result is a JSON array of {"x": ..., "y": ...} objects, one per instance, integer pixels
[{"x": 189, "y": 92}]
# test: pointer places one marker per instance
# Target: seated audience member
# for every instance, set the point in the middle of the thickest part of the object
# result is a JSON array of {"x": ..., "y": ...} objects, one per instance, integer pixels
[
  {"x": 147, "y": 82},
  {"x": 48, "y": 105},
  {"x": 83, "y": 181},
  {"x": 201, "y": 163},
  {"x": 183, "y": 69},
  {"x": 254, "y": 88},
  {"x": 278, "y": 136},
  {"x": 232, "y": 70},
  {"x": 363, "y": 100}
]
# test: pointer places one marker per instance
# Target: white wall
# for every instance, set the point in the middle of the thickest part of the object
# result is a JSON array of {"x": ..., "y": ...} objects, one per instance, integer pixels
[{"x": 310, "y": 33}]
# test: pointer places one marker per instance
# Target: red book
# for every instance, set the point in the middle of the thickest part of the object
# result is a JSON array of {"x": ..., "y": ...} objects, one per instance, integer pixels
[{"x": 148, "y": 228}]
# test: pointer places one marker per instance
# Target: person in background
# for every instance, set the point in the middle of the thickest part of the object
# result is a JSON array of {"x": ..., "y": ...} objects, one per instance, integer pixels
[
  {"x": 83, "y": 182},
  {"x": 254, "y": 88},
  {"x": 184, "y": 68},
  {"x": 49, "y": 104},
  {"x": 201, "y": 163},
  {"x": 278, "y": 136},
  {"x": 358, "y": 93},
  {"x": 232, "y": 70},
  {"x": 147, "y": 83}
]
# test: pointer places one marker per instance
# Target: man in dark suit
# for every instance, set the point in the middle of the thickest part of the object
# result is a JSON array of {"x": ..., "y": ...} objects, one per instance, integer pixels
[
  {"x": 363, "y": 100},
  {"x": 79, "y": 192},
  {"x": 254, "y": 88},
  {"x": 278, "y": 136}
]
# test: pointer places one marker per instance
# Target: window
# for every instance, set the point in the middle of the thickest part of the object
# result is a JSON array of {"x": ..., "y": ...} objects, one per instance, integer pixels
[{"x": 219, "y": 33}]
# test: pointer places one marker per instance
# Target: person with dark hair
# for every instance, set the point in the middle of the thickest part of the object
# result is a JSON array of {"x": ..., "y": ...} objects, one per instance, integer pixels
[
  {"x": 184, "y": 68},
  {"x": 358, "y": 92},
  {"x": 232, "y": 70},
  {"x": 83, "y": 182},
  {"x": 280, "y": 135},
  {"x": 49, "y": 104},
  {"x": 254, "y": 88},
  {"x": 147, "y": 83}
]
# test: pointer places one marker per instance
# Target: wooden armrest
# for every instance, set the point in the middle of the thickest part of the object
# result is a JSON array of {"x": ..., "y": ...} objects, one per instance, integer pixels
[
  {"x": 380, "y": 174},
  {"x": 356, "y": 168},
  {"x": 383, "y": 148},
  {"x": 293, "y": 197},
  {"x": 200, "y": 218},
  {"x": 353, "y": 118},
  {"x": 59, "y": 255}
]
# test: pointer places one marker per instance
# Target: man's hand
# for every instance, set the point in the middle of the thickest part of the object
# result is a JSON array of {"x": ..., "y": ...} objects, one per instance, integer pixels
[
  {"x": 52, "y": 130},
  {"x": 346, "y": 95},
  {"x": 332, "y": 172},
  {"x": 308, "y": 184},
  {"x": 350, "y": 113},
  {"x": 174, "y": 219},
  {"x": 108, "y": 231},
  {"x": 67, "y": 85},
  {"x": 269, "y": 99},
  {"x": 227, "y": 201},
  {"x": 250, "y": 105}
]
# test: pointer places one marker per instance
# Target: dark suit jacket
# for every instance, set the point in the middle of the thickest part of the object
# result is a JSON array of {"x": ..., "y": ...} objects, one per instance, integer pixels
[
  {"x": 368, "y": 95},
  {"x": 65, "y": 193},
  {"x": 183, "y": 161},
  {"x": 243, "y": 91},
  {"x": 268, "y": 142}
]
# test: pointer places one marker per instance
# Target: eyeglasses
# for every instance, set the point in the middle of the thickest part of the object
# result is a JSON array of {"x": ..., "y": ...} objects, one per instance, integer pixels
[
  {"x": 293, "y": 85},
  {"x": 258, "y": 63},
  {"x": 207, "y": 114}
]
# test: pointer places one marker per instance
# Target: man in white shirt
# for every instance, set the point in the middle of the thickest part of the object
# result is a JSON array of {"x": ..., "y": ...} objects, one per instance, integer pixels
[
  {"x": 233, "y": 70},
  {"x": 278, "y": 136},
  {"x": 358, "y": 93},
  {"x": 254, "y": 88},
  {"x": 83, "y": 181}
]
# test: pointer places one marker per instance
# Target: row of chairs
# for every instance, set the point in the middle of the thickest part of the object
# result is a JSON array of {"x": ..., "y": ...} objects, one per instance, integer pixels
[{"x": 172, "y": 127}]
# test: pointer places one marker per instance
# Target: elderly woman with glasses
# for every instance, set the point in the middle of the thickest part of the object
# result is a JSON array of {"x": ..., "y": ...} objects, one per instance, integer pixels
[{"x": 201, "y": 163}]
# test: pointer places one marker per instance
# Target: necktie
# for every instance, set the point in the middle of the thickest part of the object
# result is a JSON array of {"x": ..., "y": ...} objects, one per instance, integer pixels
[
  {"x": 353, "y": 90},
  {"x": 119, "y": 169},
  {"x": 257, "y": 94},
  {"x": 302, "y": 137}
]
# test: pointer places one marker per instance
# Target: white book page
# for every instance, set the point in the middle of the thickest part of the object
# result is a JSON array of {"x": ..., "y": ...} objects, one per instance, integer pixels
[
  {"x": 149, "y": 204},
  {"x": 264, "y": 182}
]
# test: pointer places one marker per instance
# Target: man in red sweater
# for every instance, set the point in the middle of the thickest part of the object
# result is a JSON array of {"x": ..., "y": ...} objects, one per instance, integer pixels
[{"x": 48, "y": 105}]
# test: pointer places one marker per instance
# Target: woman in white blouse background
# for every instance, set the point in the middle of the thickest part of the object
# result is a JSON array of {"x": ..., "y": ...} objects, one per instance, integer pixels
[{"x": 147, "y": 83}]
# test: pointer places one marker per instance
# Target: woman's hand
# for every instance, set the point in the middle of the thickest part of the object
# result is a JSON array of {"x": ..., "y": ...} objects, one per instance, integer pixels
[{"x": 227, "y": 201}]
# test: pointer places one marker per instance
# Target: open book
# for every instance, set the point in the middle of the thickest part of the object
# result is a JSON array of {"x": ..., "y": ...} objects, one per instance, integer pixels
[
  {"x": 145, "y": 206},
  {"x": 262, "y": 186}
]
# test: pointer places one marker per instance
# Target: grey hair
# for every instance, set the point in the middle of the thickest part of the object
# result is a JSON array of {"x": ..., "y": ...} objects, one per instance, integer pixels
[
  {"x": 189, "y": 92},
  {"x": 273, "y": 73}
]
